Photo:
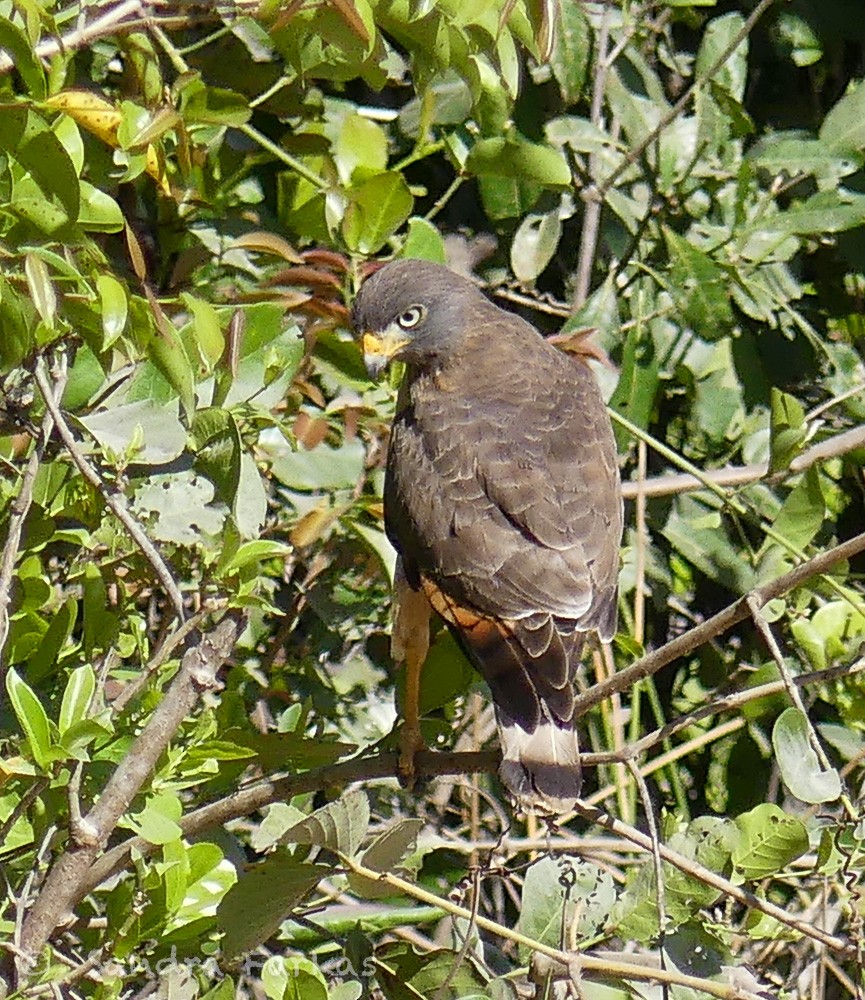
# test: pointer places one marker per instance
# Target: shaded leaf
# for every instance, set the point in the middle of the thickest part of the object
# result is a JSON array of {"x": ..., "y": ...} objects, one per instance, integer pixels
[
  {"x": 798, "y": 763},
  {"x": 339, "y": 826},
  {"x": 264, "y": 895}
]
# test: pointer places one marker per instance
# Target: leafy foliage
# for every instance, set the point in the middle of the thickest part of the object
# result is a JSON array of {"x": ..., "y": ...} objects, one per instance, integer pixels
[{"x": 194, "y": 587}]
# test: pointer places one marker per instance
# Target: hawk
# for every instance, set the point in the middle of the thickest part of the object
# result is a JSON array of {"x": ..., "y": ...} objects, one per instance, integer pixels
[{"x": 502, "y": 499}]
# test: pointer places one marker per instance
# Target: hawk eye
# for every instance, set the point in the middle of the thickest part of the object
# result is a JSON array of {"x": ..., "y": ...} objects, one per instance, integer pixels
[{"x": 411, "y": 317}]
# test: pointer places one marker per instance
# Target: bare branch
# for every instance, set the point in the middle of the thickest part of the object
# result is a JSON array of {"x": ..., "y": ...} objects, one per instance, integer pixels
[
  {"x": 428, "y": 764},
  {"x": 592, "y": 197},
  {"x": 741, "y": 475},
  {"x": 686, "y": 643},
  {"x": 67, "y": 880},
  {"x": 115, "y": 502},
  {"x": 99, "y": 27}
]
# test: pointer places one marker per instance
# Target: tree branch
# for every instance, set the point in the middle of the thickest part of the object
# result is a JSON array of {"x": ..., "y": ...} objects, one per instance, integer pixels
[
  {"x": 428, "y": 764},
  {"x": 741, "y": 475},
  {"x": 64, "y": 885},
  {"x": 686, "y": 643}
]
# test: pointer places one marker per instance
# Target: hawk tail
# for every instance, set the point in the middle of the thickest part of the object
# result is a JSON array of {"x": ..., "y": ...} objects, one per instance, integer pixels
[
  {"x": 541, "y": 769},
  {"x": 529, "y": 667}
]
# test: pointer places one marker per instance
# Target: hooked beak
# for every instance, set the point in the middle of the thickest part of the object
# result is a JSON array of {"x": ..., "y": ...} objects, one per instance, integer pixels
[{"x": 379, "y": 349}]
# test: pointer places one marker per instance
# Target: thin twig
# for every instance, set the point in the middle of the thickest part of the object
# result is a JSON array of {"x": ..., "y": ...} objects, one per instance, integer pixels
[
  {"x": 115, "y": 502},
  {"x": 719, "y": 623},
  {"x": 245, "y": 801},
  {"x": 725, "y": 703},
  {"x": 593, "y": 199},
  {"x": 703, "y": 874},
  {"x": 741, "y": 475},
  {"x": 171, "y": 642},
  {"x": 100, "y": 27},
  {"x": 575, "y": 963},
  {"x": 654, "y": 836}
]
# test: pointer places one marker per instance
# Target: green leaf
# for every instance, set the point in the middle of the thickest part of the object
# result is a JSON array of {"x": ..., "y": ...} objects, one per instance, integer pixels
[
  {"x": 449, "y": 674},
  {"x": 100, "y": 622},
  {"x": 377, "y": 208},
  {"x": 43, "y": 661},
  {"x": 293, "y": 978},
  {"x": 780, "y": 154},
  {"x": 99, "y": 212},
  {"x": 16, "y": 313},
  {"x": 77, "y": 697},
  {"x": 707, "y": 840},
  {"x": 26, "y": 63},
  {"x": 788, "y": 430},
  {"x": 384, "y": 854},
  {"x": 700, "y": 286},
  {"x": 423, "y": 242},
  {"x": 144, "y": 431},
  {"x": 158, "y": 820},
  {"x": 718, "y": 36},
  {"x": 275, "y": 750},
  {"x": 795, "y": 30},
  {"x": 770, "y": 840},
  {"x": 520, "y": 160},
  {"x": 804, "y": 511},
  {"x": 209, "y": 342},
  {"x": 42, "y": 291},
  {"x": 571, "y": 51},
  {"x": 165, "y": 349},
  {"x": 265, "y": 894},
  {"x": 218, "y": 449},
  {"x": 360, "y": 150},
  {"x": 534, "y": 245},
  {"x": 825, "y": 212},
  {"x": 114, "y": 308},
  {"x": 26, "y": 138},
  {"x": 31, "y": 717},
  {"x": 181, "y": 504},
  {"x": 322, "y": 468},
  {"x": 843, "y": 129},
  {"x": 635, "y": 393},
  {"x": 202, "y": 105},
  {"x": 798, "y": 762}
]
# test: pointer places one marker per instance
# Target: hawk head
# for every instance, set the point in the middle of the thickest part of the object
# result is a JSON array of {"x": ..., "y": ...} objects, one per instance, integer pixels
[{"x": 413, "y": 311}]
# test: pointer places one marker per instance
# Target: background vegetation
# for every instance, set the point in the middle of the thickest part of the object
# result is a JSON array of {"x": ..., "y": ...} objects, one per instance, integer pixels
[{"x": 196, "y": 783}]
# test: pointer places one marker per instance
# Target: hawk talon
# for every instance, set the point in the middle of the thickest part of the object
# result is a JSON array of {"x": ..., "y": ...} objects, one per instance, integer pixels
[{"x": 410, "y": 742}]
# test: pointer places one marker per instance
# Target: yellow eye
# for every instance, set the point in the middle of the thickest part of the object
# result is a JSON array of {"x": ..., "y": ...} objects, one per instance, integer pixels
[{"x": 411, "y": 317}]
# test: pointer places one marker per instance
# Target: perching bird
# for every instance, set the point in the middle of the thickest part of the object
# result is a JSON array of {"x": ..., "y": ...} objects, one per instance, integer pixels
[{"x": 502, "y": 499}]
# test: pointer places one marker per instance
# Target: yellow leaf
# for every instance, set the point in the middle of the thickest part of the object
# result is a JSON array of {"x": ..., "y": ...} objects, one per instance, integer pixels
[{"x": 91, "y": 111}]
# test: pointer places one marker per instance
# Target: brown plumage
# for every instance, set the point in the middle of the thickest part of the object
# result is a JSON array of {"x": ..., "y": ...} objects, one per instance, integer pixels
[{"x": 502, "y": 499}]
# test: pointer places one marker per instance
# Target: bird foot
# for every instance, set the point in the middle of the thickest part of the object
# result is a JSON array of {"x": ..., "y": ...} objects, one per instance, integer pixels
[{"x": 410, "y": 742}]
